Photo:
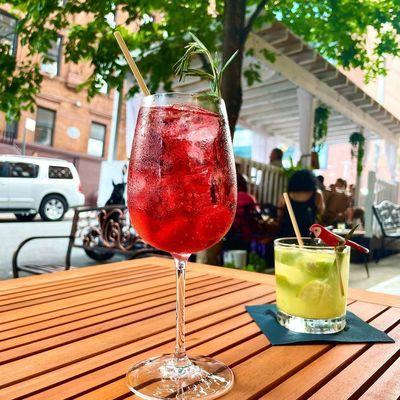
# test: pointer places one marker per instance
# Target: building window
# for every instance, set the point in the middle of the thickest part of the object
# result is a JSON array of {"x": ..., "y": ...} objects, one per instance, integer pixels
[
  {"x": 12, "y": 129},
  {"x": 45, "y": 120},
  {"x": 8, "y": 33},
  {"x": 23, "y": 170},
  {"x": 51, "y": 64},
  {"x": 96, "y": 139}
]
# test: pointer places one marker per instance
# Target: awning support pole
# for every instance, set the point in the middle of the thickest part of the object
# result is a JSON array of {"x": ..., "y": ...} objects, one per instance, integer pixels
[{"x": 306, "y": 112}]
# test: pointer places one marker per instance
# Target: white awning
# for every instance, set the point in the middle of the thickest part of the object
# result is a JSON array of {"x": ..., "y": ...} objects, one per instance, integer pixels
[{"x": 271, "y": 106}]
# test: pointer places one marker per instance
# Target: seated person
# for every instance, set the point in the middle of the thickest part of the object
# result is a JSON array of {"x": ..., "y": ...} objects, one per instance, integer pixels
[
  {"x": 340, "y": 185},
  {"x": 275, "y": 158},
  {"x": 245, "y": 223},
  {"x": 249, "y": 230},
  {"x": 358, "y": 218},
  {"x": 336, "y": 204},
  {"x": 307, "y": 202}
]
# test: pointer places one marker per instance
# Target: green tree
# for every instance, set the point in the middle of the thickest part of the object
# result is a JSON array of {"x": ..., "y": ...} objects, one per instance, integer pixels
[{"x": 338, "y": 29}]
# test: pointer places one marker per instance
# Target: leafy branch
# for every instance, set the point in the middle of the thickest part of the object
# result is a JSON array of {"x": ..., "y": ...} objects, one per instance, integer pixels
[
  {"x": 260, "y": 7},
  {"x": 216, "y": 69}
]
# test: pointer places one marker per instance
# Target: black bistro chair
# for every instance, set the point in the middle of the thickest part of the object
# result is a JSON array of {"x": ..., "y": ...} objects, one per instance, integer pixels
[
  {"x": 388, "y": 217},
  {"x": 101, "y": 232}
]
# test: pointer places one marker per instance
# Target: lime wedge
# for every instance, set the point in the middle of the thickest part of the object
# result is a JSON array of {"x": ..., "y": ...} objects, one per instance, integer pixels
[
  {"x": 289, "y": 257},
  {"x": 282, "y": 281},
  {"x": 319, "y": 269},
  {"x": 315, "y": 292}
]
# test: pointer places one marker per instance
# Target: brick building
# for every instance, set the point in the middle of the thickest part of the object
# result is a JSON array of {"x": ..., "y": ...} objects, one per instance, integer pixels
[
  {"x": 385, "y": 90},
  {"x": 67, "y": 125}
]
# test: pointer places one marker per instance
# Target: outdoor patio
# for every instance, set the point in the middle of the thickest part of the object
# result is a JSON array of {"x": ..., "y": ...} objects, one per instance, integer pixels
[
  {"x": 200, "y": 200},
  {"x": 384, "y": 276}
]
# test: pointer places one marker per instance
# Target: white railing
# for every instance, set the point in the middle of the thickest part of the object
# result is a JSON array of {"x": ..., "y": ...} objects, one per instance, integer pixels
[
  {"x": 378, "y": 190},
  {"x": 267, "y": 183},
  {"x": 386, "y": 191}
]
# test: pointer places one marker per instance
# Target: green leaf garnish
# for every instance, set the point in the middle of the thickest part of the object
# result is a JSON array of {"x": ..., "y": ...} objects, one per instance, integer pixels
[
  {"x": 347, "y": 237},
  {"x": 216, "y": 69},
  {"x": 351, "y": 233}
]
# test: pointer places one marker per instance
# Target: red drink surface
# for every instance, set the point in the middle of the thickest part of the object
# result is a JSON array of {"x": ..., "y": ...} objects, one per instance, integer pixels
[{"x": 181, "y": 185}]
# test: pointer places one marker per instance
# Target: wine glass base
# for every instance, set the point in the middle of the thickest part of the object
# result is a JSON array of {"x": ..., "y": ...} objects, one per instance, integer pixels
[{"x": 161, "y": 378}]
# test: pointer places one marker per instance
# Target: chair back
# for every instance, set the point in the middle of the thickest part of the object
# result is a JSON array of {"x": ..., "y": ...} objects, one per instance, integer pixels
[
  {"x": 388, "y": 216},
  {"x": 105, "y": 228}
]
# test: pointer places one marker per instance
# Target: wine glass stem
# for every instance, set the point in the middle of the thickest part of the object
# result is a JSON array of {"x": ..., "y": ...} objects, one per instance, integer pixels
[{"x": 180, "y": 350}]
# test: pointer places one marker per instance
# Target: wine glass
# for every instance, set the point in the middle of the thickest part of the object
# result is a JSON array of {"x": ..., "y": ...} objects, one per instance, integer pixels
[{"x": 182, "y": 199}]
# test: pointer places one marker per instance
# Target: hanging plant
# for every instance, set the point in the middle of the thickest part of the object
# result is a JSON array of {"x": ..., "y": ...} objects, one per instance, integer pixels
[
  {"x": 321, "y": 116},
  {"x": 357, "y": 141}
]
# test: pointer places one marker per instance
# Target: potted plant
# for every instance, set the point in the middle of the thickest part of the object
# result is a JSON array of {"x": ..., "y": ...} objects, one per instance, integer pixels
[
  {"x": 320, "y": 132},
  {"x": 357, "y": 141}
]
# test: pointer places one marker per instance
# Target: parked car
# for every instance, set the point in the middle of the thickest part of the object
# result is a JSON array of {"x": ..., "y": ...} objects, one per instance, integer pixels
[{"x": 31, "y": 185}]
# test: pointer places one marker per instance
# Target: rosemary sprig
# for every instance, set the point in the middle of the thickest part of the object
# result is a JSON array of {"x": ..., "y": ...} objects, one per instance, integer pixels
[
  {"x": 347, "y": 237},
  {"x": 216, "y": 69}
]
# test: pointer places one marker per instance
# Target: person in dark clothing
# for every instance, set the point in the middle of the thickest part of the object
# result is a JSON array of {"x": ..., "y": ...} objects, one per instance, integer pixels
[{"x": 307, "y": 202}]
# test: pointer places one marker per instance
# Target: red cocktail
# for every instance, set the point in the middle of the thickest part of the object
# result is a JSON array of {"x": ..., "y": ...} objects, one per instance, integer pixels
[
  {"x": 181, "y": 187},
  {"x": 182, "y": 199}
]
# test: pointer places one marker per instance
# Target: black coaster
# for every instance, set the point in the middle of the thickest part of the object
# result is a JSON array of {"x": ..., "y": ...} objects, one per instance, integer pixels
[{"x": 356, "y": 330}]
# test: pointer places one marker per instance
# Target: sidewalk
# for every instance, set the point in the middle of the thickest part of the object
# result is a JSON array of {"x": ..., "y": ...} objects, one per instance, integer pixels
[{"x": 384, "y": 276}]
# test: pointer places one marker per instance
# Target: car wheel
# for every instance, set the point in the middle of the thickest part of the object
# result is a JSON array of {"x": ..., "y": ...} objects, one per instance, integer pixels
[
  {"x": 53, "y": 208},
  {"x": 25, "y": 216}
]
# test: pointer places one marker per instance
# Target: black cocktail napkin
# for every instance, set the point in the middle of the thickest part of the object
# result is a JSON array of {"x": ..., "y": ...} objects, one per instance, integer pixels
[{"x": 356, "y": 330}]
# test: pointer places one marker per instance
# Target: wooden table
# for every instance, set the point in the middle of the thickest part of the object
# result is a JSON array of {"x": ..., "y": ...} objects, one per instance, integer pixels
[{"x": 72, "y": 335}]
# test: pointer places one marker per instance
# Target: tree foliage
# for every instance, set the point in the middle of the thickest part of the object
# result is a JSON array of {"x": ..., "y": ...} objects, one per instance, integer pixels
[{"x": 336, "y": 28}]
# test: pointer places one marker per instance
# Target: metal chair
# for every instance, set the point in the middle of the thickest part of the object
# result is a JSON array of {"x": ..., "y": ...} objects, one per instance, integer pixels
[
  {"x": 388, "y": 217},
  {"x": 101, "y": 232}
]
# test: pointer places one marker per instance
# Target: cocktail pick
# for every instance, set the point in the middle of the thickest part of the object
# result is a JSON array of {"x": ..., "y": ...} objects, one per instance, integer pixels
[
  {"x": 331, "y": 239},
  {"x": 293, "y": 219},
  {"x": 132, "y": 64},
  {"x": 337, "y": 262}
]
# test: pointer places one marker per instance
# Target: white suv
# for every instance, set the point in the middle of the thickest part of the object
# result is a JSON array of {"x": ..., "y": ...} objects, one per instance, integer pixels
[{"x": 31, "y": 185}]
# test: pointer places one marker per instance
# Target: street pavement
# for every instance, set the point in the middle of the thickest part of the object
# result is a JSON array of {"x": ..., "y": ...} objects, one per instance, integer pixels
[{"x": 51, "y": 251}]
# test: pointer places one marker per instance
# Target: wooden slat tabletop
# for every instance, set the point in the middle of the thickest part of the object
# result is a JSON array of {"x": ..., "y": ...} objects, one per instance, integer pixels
[{"x": 73, "y": 335}]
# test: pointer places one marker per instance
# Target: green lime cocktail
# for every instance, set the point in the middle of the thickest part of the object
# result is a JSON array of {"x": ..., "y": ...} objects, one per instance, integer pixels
[{"x": 311, "y": 285}]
